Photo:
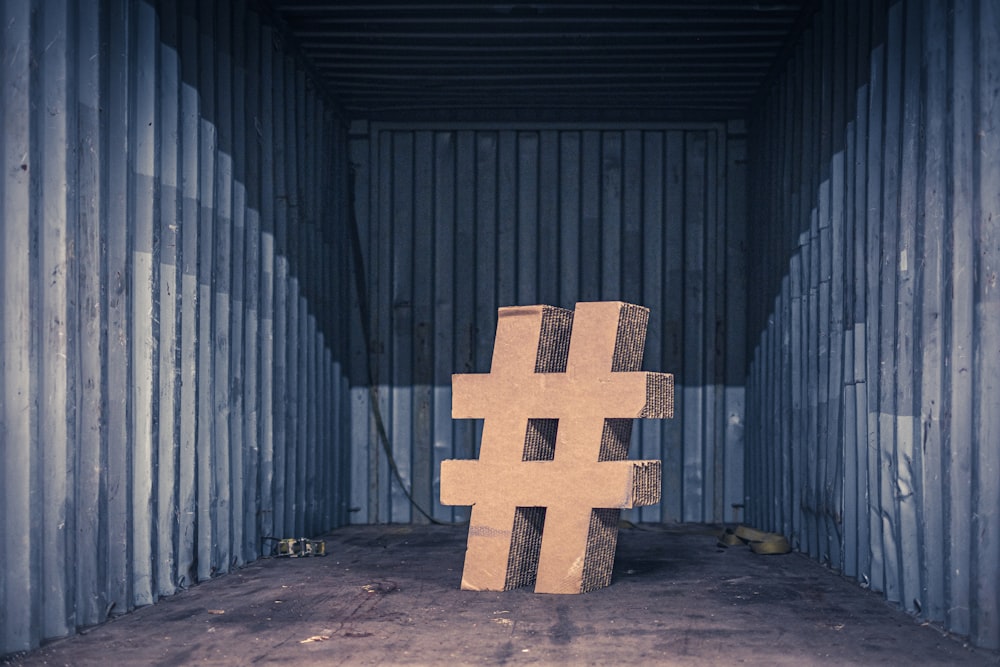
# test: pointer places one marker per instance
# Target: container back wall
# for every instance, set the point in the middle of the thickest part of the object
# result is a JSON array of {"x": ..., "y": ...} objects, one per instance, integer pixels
[
  {"x": 459, "y": 220},
  {"x": 873, "y": 417},
  {"x": 172, "y": 359}
]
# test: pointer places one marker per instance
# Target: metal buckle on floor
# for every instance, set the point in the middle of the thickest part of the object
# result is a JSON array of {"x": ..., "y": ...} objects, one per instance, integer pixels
[{"x": 301, "y": 547}]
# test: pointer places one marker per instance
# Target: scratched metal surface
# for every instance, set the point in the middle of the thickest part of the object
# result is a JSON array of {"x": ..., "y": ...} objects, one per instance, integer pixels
[
  {"x": 873, "y": 417},
  {"x": 171, "y": 204}
]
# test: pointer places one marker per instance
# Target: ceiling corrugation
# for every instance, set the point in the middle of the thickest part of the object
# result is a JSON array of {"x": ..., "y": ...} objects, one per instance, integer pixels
[{"x": 636, "y": 60}]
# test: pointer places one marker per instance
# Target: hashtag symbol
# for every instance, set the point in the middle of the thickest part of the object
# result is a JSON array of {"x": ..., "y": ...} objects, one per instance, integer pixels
[{"x": 552, "y": 475}]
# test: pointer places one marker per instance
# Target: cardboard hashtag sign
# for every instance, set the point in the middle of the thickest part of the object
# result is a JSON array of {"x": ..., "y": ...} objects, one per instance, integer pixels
[{"x": 552, "y": 475}]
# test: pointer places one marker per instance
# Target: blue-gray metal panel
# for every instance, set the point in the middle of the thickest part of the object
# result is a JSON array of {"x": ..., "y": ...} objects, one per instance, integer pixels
[
  {"x": 293, "y": 396},
  {"x": 423, "y": 333},
  {"x": 443, "y": 275},
  {"x": 256, "y": 475},
  {"x": 168, "y": 368},
  {"x": 986, "y": 518},
  {"x": 91, "y": 314},
  {"x": 289, "y": 299},
  {"x": 380, "y": 264},
  {"x": 53, "y": 208},
  {"x": 20, "y": 579},
  {"x": 479, "y": 216},
  {"x": 829, "y": 341},
  {"x": 190, "y": 376},
  {"x": 887, "y": 350},
  {"x": 400, "y": 315},
  {"x": 569, "y": 213},
  {"x": 837, "y": 230},
  {"x": 960, "y": 466},
  {"x": 873, "y": 168},
  {"x": 666, "y": 299},
  {"x": 116, "y": 379},
  {"x": 651, "y": 216},
  {"x": 238, "y": 307},
  {"x": 207, "y": 512},
  {"x": 854, "y": 441},
  {"x": 691, "y": 408},
  {"x": 145, "y": 235},
  {"x": 291, "y": 401},
  {"x": 889, "y": 263},
  {"x": 134, "y": 266},
  {"x": 360, "y": 408},
  {"x": 279, "y": 373},
  {"x": 930, "y": 253},
  {"x": 734, "y": 264},
  {"x": 909, "y": 455}
]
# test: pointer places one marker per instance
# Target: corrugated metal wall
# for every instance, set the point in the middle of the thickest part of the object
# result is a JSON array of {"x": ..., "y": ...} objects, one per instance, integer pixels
[
  {"x": 459, "y": 220},
  {"x": 873, "y": 417},
  {"x": 170, "y": 284}
]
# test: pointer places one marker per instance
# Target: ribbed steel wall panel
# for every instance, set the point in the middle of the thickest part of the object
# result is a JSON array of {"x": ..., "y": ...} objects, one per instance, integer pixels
[
  {"x": 873, "y": 421},
  {"x": 173, "y": 187},
  {"x": 456, "y": 221}
]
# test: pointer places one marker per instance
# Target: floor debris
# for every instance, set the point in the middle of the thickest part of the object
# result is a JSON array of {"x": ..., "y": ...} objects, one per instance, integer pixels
[{"x": 675, "y": 599}]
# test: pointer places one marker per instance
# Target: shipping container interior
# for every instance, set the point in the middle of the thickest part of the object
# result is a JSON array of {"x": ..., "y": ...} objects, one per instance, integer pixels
[{"x": 244, "y": 246}]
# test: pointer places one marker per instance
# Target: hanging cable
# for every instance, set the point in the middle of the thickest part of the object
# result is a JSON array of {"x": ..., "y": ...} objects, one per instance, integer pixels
[{"x": 361, "y": 286}]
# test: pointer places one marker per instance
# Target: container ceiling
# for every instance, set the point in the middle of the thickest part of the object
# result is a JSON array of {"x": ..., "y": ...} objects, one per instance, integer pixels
[{"x": 537, "y": 60}]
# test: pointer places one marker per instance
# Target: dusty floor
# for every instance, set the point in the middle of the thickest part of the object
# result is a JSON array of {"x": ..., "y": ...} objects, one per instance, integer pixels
[{"x": 390, "y": 595}]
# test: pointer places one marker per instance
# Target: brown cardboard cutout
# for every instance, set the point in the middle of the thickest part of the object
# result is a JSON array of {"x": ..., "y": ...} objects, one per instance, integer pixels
[{"x": 558, "y": 419}]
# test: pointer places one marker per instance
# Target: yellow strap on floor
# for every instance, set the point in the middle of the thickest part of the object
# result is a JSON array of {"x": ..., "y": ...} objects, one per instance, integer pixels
[
  {"x": 774, "y": 544},
  {"x": 760, "y": 542},
  {"x": 751, "y": 534},
  {"x": 730, "y": 539}
]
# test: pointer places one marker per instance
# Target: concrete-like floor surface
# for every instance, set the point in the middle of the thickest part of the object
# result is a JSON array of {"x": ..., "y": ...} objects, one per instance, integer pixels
[{"x": 389, "y": 595}]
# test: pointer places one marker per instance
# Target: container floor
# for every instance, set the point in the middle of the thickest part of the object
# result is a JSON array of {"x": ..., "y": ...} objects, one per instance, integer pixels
[{"x": 390, "y": 595}]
